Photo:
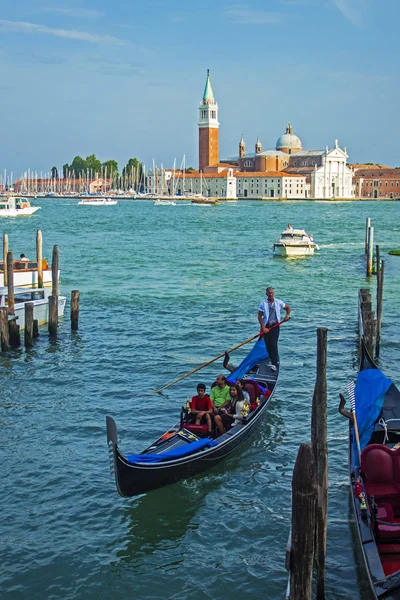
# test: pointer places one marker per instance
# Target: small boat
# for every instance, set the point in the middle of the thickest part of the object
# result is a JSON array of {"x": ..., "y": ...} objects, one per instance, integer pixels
[
  {"x": 294, "y": 242},
  {"x": 40, "y": 299},
  {"x": 13, "y": 206},
  {"x": 179, "y": 453},
  {"x": 26, "y": 273},
  {"x": 205, "y": 201},
  {"x": 98, "y": 202},
  {"x": 374, "y": 468},
  {"x": 164, "y": 203}
]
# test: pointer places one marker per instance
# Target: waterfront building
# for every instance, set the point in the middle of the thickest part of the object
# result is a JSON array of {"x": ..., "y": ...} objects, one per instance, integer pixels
[{"x": 376, "y": 181}]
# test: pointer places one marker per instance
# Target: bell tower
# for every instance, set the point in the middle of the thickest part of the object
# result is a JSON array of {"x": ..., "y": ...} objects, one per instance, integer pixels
[
  {"x": 258, "y": 147},
  {"x": 242, "y": 147},
  {"x": 208, "y": 127}
]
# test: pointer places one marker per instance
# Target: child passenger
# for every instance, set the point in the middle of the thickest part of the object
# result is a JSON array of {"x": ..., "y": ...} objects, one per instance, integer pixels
[{"x": 201, "y": 407}]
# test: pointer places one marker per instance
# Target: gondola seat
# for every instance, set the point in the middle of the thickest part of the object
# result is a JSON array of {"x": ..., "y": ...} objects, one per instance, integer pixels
[
  {"x": 199, "y": 430},
  {"x": 380, "y": 467}
]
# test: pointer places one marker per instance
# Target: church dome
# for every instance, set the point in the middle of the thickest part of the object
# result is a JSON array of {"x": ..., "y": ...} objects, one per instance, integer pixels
[{"x": 288, "y": 141}]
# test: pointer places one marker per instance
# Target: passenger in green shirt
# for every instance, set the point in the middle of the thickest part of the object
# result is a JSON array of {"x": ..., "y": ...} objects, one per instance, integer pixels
[{"x": 220, "y": 396}]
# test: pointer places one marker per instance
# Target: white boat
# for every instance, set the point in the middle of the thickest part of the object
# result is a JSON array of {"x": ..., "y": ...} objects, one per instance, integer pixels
[
  {"x": 164, "y": 203},
  {"x": 294, "y": 242},
  {"x": 26, "y": 273},
  {"x": 98, "y": 202},
  {"x": 40, "y": 299},
  {"x": 16, "y": 206}
]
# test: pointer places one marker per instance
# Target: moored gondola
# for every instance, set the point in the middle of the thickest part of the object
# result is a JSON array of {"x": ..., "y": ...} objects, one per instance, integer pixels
[
  {"x": 180, "y": 453},
  {"x": 374, "y": 465}
]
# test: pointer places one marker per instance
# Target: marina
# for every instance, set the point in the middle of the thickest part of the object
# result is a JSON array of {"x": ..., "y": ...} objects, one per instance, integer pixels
[{"x": 52, "y": 415}]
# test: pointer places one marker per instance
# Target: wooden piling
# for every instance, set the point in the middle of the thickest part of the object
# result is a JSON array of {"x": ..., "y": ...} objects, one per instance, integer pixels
[
  {"x": 13, "y": 331},
  {"x": 35, "y": 328},
  {"x": 10, "y": 282},
  {"x": 75, "y": 297},
  {"x": 53, "y": 299},
  {"x": 28, "y": 332},
  {"x": 304, "y": 501},
  {"x": 379, "y": 301},
  {"x": 5, "y": 252},
  {"x": 367, "y": 226},
  {"x": 4, "y": 334},
  {"x": 370, "y": 250},
  {"x": 39, "y": 257},
  {"x": 320, "y": 450}
]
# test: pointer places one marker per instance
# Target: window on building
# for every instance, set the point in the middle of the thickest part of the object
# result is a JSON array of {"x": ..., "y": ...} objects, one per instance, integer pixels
[
  {"x": 386, "y": 184},
  {"x": 375, "y": 183}
]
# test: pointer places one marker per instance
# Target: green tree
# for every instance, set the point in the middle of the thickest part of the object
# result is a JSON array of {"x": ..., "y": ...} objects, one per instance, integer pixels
[
  {"x": 66, "y": 169},
  {"x": 78, "y": 166},
  {"x": 93, "y": 164},
  {"x": 111, "y": 166},
  {"x": 54, "y": 173},
  {"x": 132, "y": 174}
]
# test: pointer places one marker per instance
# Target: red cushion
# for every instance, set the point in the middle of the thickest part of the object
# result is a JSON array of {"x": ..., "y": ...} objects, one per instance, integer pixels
[
  {"x": 385, "y": 513},
  {"x": 199, "y": 430},
  {"x": 388, "y": 532},
  {"x": 377, "y": 464},
  {"x": 389, "y": 548},
  {"x": 381, "y": 490}
]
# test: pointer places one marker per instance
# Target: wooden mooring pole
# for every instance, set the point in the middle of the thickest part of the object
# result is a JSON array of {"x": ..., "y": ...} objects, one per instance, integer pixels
[
  {"x": 39, "y": 257},
  {"x": 75, "y": 297},
  {"x": 5, "y": 252},
  {"x": 379, "y": 300},
  {"x": 4, "y": 333},
  {"x": 53, "y": 299},
  {"x": 13, "y": 327},
  {"x": 28, "y": 332},
  {"x": 302, "y": 541},
  {"x": 35, "y": 328},
  {"x": 320, "y": 450},
  {"x": 367, "y": 226},
  {"x": 370, "y": 250}
]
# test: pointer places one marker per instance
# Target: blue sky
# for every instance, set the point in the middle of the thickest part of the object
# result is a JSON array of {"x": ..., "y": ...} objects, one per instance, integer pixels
[{"x": 125, "y": 78}]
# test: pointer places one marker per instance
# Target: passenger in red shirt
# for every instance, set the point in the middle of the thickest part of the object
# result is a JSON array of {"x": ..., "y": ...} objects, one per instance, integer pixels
[{"x": 201, "y": 407}]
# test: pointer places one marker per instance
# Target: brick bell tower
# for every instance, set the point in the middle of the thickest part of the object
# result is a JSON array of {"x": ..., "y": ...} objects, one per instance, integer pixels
[{"x": 208, "y": 128}]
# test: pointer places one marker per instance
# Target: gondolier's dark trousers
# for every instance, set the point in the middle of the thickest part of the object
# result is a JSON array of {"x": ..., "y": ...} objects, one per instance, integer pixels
[{"x": 271, "y": 343}]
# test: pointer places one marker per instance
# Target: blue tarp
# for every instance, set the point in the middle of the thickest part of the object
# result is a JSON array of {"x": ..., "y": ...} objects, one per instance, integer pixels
[
  {"x": 370, "y": 391},
  {"x": 172, "y": 454},
  {"x": 254, "y": 357}
]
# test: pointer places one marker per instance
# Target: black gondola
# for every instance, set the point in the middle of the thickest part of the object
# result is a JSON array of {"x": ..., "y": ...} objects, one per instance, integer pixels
[
  {"x": 374, "y": 465},
  {"x": 179, "y": 453}
]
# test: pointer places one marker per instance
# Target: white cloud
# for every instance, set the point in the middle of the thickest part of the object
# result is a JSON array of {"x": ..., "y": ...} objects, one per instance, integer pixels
[
  {"x": 84, "y": 13},
  {"x": 352, "y": 10},
  {"x": 71, "y": 34},
  {"x": 254, "y": 17}
]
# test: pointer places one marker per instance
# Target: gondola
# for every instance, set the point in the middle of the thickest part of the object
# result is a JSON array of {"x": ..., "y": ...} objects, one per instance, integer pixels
[
  {"x": 374, "y": 466},
  {"x": 180, "y": 453}
]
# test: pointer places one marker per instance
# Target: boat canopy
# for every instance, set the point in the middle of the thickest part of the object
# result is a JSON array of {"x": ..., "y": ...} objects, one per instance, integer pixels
[
  {"x": 370, "y": 391},
  {"x": 256, "y": 355}
]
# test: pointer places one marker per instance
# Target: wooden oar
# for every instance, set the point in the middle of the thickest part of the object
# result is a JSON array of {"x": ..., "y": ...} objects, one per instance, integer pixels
[{"x": 214, "y": 359}]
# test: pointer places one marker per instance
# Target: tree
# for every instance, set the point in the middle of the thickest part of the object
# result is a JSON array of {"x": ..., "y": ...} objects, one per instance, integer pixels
[
  {"x": 111, "y": 166},
  {"x": 78, "y": 166},
  {"x": 93, "y": 164},
  {"x": 66, "y": 169},
  {"x": 54, "y": 173},
  {"x": 132, "y": 174}
]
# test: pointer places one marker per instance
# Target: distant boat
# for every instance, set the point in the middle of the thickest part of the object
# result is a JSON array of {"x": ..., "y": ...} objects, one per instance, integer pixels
[
  {"x": 13, "y": 206},
  {"x": 164, "y": 203},
  {"x": 40, "y": 299},
  {"x": 98, "y": 202},
  {"x": 294, "y": 242},
  {"x": 205, "y": 201}
]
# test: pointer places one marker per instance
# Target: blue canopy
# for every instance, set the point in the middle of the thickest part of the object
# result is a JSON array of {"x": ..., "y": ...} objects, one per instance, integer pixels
[
  {"x": 254, "y": 357},
  {"x": 171, "y": 454},
  {"x": 370, "y": 391}
]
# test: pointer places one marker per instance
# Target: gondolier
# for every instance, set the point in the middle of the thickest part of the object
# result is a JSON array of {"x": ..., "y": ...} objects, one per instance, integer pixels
[{"x": 269, "y": 314}]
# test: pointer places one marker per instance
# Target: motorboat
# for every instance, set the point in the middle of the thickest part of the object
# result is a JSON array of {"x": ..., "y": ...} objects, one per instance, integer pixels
[
  {"x": 16, "y": 206},
  {"x": 161, "y": 202},
  {"x": 205, "y": 201},
  {"x": 40, "y": 299},
  {"x": 294, "y": 242},
  {"x": 98, "y": 202},
  {"x": 26, "y": 273}
]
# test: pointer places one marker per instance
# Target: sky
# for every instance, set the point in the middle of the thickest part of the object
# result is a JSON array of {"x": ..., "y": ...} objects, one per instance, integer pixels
[{"x": 124, "y": 79}]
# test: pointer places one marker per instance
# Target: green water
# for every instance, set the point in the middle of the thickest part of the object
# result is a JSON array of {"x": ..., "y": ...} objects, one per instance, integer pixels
[{"x": 163, "y": 289}]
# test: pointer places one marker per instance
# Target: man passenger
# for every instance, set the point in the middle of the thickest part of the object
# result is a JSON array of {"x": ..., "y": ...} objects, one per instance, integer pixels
[{"x": 220, "y": 396}]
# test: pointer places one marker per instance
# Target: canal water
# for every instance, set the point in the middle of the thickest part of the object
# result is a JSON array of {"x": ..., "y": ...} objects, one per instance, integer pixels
[{"x": 163, "y": 289}]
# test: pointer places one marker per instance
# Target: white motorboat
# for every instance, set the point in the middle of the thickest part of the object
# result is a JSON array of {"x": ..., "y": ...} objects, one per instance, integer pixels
[
  {"x": 164, "y": 203},
  {"x": 294, "y": 242},
  {"x": 40, "y": 299},
  {"x": 26, "y": 273},
  {"x": 15, "y": 206},
  {"x": 98, "y": 202}
]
